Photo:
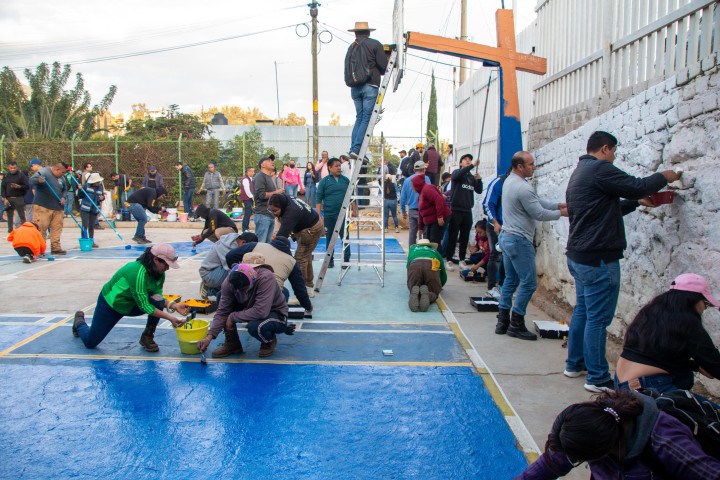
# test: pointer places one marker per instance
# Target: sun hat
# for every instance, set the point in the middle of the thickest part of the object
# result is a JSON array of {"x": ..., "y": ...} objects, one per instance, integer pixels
[
  {"x": 361, "y": 26},
  {"x": 692, "y": 282},
  {"x": 427, "y": 243},
  {"x": 166, "y": 252},
  {"x": 94, "y": 178},
  {"x": 254, "y": 260}
]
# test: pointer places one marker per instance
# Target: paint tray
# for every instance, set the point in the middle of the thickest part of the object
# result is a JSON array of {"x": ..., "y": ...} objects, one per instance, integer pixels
[
  {"x": 297, "y": 311},
  {"x": 470, "y": 276},
  {"x": 484, "y": 304},
  {"x": 172, "y": 298},
  {"x": 201, "y": 306},
  {"x": 551, "y": 329}
]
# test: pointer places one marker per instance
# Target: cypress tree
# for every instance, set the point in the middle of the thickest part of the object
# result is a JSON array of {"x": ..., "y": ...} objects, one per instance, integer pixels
[{"x": 431, "y": 132}]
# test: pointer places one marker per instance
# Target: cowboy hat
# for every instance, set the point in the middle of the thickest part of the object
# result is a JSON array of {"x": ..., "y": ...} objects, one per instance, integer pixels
[{"x": 361, "y": 26}]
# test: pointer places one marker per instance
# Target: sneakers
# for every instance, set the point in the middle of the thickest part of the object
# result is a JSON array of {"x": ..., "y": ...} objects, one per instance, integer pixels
[
  {"x": 424, "y": 298},
  {"x": 99, "y": 227},
  {"x": 27, "y": 259},
  {"x": 59, "y": 252},
  {"x": 397, "y": 229},
  {"x": 449, "y": 266},
  {"x": 332, "y": 263},
  {"x": 414, "y": 300},
  {"x": 608, "y": 386},
  {"x": 463, "y": 265},
  {"x": 311, "y": 292},
  {"x": 79, "y": 318},
  {"x": 353, "y": 155},
  {"x": 95, "y": 245},
  {"x": 267, "y": 349},
  {"x": 141, "y": 240},
  {"x": 571, "y": 374},
  {"x": 494, "y": 293},
  {"x": 203, "y": 290}
]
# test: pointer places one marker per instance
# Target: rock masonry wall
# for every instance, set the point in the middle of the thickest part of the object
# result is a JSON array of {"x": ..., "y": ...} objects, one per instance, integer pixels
[{"x": 674, "y": 124}]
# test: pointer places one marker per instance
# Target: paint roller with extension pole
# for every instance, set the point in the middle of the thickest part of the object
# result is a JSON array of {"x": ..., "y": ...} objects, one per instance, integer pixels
[{"x": 127, "y": 246}]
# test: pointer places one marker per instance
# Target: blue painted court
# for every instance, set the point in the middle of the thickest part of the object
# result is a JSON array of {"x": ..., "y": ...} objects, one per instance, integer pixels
[{"x": 330, "y": 403}]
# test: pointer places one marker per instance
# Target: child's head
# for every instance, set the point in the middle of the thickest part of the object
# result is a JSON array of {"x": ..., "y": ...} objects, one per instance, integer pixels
[
  {"x": 446, "y": 177},
  {"x": 481, "y": 228}
]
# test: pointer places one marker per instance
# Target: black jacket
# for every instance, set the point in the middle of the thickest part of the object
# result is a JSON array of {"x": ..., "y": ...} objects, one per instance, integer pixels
[
  {"x": 18, "y": 178},
  {"x": 593, "y": 196},
  {"x": 377, "y": 60},
  {"x": 463, "y": 186},
  {"x": 187, "y": 177},
  {"x": 297, "y": 216},
  {"x": 147, "y": 198},
  {"x": 214, "y": 219}
]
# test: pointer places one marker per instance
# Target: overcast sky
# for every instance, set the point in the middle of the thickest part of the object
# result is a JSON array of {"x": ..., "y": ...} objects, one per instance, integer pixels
[{"x": 239, "y": 71}]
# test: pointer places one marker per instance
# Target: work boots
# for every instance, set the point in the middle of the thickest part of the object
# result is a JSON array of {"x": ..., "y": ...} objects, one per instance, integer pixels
[
  {"x": 267, "y": 349},
  {"x": 79, "y": 318},
  {"x": 147, "y": 339},
  {"x": 232, "y": 344},
  {"x": 503, "y": 317},
  {"x": 517, "y": 328}
]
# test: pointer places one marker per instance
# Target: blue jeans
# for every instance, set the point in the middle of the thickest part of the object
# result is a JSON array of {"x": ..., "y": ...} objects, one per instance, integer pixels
[
  {"x": 364, "y": 98},
  {"x": 311, "y": 194},
  {"x": 187, "y": 200},
  {"x": 106, "y": 317},
  {"x": 264, "y": 227},
  {"x": 390, "y": 207},
  {"x": 596, "y": 292},
  {"x": 446, "y": 236},
  {"x": 69, "y": 200},
  {"x": 520, "y": 269},
  {"x": 247, "y": 212},
  {"x": 138, "y": 212},
  {"x": 329, "y": 221},
  {"x": 292, "y": 190}
]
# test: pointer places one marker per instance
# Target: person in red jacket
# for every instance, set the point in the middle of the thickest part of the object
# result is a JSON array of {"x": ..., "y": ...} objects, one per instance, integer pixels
[
  {"x": 27, "y": 241},
  {"x": 432, "y": 209}
]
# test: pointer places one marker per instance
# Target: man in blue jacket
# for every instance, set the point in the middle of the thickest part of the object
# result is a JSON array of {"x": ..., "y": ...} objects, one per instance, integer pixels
[
  {"x": 492, "y": 206},
  {"x": 409, "y": 197},
  {"x": 598, "y": 195}
]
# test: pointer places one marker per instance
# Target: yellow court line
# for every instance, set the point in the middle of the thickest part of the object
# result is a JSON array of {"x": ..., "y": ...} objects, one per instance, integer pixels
[
  {"x": 239, "y": 360},
  {"x": 497, "y": 395},
  {"x": 460, "y": 337},
  {"x": 39, "y": 334},
  {"x": 441, "y": 305}
]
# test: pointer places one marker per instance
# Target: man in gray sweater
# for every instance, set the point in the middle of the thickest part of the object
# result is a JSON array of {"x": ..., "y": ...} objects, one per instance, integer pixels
[
  {"x": 213, "y": 184},
  {"x": 521, "y": 208},
  {"x": 49, "y": 203}
]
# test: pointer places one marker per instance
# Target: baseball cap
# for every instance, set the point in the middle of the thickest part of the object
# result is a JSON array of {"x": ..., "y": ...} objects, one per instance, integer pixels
[
  {"x": 692, "y": 282},
  {"x": 152, "y": 168},
  {"x": 269, "y": 157},
  {"x": 419, "y": 165},
  {"x": 35, "y": 161},
  {"x": 166, "y": 252}
]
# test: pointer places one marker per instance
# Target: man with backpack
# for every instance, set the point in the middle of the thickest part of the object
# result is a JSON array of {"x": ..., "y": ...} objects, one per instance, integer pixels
[{"x": 365, "y": 63}]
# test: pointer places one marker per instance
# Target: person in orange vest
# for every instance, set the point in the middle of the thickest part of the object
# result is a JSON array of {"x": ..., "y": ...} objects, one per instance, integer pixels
[{"x": 27, "y": 241}]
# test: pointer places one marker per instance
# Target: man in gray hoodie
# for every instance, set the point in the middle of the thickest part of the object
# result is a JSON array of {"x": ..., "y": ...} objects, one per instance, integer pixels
[
  {"x": 214, "y": 268},
  {"x": 49, "y": 203}
]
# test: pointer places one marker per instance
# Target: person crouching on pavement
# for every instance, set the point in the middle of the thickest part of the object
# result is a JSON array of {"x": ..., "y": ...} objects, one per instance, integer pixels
[
  {"x": 249, "y": 295},
  {"x": 27, "y": 241},
  {"x": 425, "y": 275},
  {"x": 134, "y": 290},
  {"x": 217, "y": 224}
]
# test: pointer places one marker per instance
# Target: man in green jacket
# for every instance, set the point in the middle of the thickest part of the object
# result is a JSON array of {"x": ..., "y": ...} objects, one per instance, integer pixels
[
  {"x": 330, "y": 195},
  {"x": 425, "y": 275}
]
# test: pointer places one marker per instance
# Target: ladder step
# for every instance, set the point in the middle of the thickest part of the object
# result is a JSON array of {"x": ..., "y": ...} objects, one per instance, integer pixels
[
  {"x": 361, "y": 241},
  {"x": 365, "y": 219},
  {"x": 361, "y": 264},
  {"x": 366, "y": 197}
]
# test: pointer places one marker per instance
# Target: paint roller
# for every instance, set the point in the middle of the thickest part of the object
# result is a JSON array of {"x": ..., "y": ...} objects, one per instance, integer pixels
[{"x": 127, "y": 246}]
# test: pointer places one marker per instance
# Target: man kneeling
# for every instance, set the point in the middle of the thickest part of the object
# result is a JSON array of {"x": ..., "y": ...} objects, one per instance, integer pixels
[
  {"x": 249, "y": 295},
  {"x": 425, "y": 275}
]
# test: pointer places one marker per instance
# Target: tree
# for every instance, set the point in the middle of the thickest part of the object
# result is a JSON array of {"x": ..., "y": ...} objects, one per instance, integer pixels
[
  {"x": 245, "y": 151},
  {"x": 50, "y": 111},
  {"x": 334, "y": 120},
  {"x": 431, "y": 133},
  {"x": 292, "y": 120},
  {"x": 170, "y": 125},
  {"x": 139, "y": 112}
]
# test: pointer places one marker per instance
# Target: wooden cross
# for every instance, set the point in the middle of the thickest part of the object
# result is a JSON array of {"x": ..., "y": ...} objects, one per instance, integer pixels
[{"x": 509, "y": 60}]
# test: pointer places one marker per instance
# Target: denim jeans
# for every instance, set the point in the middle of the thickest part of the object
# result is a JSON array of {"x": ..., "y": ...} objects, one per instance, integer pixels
[
  {"x": 69, "y": 200},
  {"x": 247, "y": 212},
  {"x": 187, "y": 197},
  {"x": 495, "y": 269},
  {"x": 330, "y": 221},
  {"x": 311, "y": 194},
  {"x": 138, "y": 212},
  {"x": 446, "y": 235},
  {"x": 596, "y": 293},
  {"x": 520, "y": 269},
  {"x": 364, "y": 98},
  {"x": 106, "y": 317},
  {"x": 264, "y": 227},
  {"x": 292, "y": 190},
  {"x": 390, "y": 208},
  {"x": 413, "y": 225}
]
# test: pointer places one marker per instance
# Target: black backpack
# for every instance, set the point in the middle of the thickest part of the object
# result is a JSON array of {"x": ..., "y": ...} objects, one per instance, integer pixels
[
  {"x": 357, "y": 72},
  {"x": 701, "y": 417}
]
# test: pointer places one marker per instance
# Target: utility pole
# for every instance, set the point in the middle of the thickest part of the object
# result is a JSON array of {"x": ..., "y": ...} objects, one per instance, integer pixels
[
  {"x": 316, "y": 128},
  {"x": 463, "y": 36},
  {"x": 277, "y": 93},
  {"x": 421, "y": 111}
]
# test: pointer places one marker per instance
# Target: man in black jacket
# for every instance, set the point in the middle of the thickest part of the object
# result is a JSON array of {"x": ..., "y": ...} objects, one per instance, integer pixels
[
  {"x": 14, "y": 186},
  {"x": 364, "y": 95},
  {"x": 598, "y": 195},
  {"x": 187, "y": 180},
  {"x": 145, "y": 199},
  {"x": 217, "y": 224},
  {"x": 462, "y": 194}
]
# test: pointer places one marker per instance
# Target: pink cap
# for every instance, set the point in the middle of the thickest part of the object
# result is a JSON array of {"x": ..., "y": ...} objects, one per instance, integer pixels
[
  {"x": 166, "y": 252},
  {"x": 692, "y": 282}
]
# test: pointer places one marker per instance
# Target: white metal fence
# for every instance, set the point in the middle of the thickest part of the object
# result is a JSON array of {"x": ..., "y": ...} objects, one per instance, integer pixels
[{"x": 595, "y": 47}]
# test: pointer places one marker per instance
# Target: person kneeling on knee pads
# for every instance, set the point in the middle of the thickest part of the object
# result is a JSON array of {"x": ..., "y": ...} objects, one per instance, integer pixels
[
  {"x": 249, "y": 295},
  {"x": 425, "y": 275}
]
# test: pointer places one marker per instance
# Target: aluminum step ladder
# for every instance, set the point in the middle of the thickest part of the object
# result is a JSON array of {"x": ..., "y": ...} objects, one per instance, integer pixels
[{"x": 358, "y": 191}]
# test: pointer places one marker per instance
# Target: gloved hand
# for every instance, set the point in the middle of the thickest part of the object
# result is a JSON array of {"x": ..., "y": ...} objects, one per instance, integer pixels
[
  {"x": 290, "y": 329},
  {"x": 115, "y": 196}
]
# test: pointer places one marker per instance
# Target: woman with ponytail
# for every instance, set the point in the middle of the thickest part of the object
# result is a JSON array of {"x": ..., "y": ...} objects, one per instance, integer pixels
[{"x": 622, "y": 435}]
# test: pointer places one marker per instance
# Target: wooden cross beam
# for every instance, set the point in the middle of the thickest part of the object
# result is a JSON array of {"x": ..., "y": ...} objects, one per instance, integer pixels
[{"x": 509, "y": 60}]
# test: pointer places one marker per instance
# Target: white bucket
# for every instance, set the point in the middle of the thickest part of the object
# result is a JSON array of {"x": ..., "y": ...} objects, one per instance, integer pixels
[
  {"x": 237, "y": 212},
  {"x": 172, "y": 217},
  {"x": 171, "y": 210}
]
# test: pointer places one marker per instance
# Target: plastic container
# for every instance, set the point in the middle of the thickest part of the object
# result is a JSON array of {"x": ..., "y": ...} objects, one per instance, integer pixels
[
  {"x": 182, "y": 217},
  {"x": 192, "y": 331},
  {"x": 662, "y": 198},
  {"x": 85, "y": 244},
  {"x": 172, "y": 217},
  {"x": 237, "y": 212}
]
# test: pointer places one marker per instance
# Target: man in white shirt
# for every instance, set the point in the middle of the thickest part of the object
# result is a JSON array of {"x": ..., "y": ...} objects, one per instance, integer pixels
[{"x": 247, "y": 197}]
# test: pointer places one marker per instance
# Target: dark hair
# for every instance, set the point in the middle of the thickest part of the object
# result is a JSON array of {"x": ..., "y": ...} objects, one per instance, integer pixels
[
  {"x": 279, "y": 200},
  {"x": 445, "y": 176},
  {"x": 517, "y": 160},
  {"x": 159, "y": 191},
  {"x": 85, "y": 165},
  {"x": 450, "y": 145},
  {"x": 661, "y": 326},
  {"x": 587, "y": 431},
  {"x": 249, "y": 168},
  {"x": 599, "y": 139},
  {"x": 310, "y": 166},
  {"x": 238, "y": 280},
  {"x": 332, "y": 162},
  {"x": 248, "y": 237},
  {"x": 403, "y": 151},
  {"x": 12, "y": 163},
  {"x": 482, "y": 224},
  {"x": 116, "y": 174},
  {"x": 146, "y": 259}
]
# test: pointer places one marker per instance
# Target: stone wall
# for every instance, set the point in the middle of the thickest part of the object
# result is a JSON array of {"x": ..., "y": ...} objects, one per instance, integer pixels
[{"x": 674, "y": 124}]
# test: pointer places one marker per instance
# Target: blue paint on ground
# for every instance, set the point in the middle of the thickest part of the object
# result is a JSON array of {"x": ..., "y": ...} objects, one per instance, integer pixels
[
  {"x": 12, "y": 334},
  {"x": 423, "y": 327},
  {"x": 21, "y": 318},
  {"x": 119, "y": 420}
]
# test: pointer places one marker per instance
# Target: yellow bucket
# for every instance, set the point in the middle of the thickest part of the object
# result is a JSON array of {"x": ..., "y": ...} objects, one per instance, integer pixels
[{"x": 191, "y": 331}]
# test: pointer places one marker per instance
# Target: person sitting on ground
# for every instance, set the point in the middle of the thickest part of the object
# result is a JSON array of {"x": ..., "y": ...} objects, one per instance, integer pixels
[
  {"x": 666, "y": 342},
  {"x": 134, "y": 290},
  {"x": 27, "y": 241},
  {"x": 145, "y": 199},
  {"x": 250, "y": 295},
  {"x": 214, "y": 269},
  {"x": 276, "y": 254},
  {"x": 298, "y": 219},
  {"x": 425, "y": 275},
  {"x": 432, "y": 209},
  {"x": 91, "y": 196},
  {"x": 479, "y": 253},
  {"x": 217, "y": 224},
  {"x": 622, "y": 434}
]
